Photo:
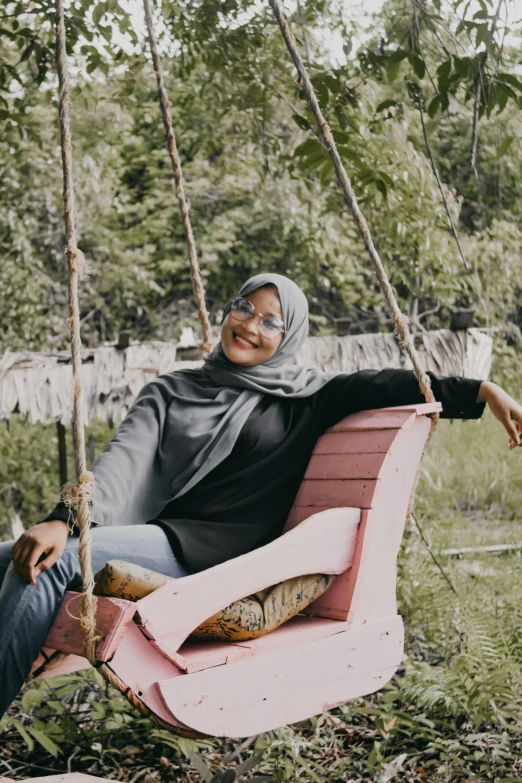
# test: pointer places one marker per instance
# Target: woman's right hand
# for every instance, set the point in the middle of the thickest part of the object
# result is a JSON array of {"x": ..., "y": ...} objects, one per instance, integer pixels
[{"x": 47, "y": 538}]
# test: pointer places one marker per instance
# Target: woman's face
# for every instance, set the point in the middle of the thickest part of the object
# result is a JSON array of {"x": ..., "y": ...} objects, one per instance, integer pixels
[{"x": 242, "y": 341}]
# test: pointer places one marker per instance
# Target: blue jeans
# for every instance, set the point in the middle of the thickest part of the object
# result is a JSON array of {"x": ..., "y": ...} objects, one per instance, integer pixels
[{"x": 27, "y": 611}]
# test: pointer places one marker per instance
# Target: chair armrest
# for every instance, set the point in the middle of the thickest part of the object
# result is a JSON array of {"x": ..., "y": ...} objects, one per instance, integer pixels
[{"x": 323, "y": 544}]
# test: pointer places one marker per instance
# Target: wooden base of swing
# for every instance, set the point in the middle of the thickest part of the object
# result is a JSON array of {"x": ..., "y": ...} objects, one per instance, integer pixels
[{"x": 349, "y": 517}]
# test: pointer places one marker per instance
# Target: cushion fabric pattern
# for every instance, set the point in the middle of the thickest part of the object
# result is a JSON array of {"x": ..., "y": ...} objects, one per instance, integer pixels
[{"x": 247, "y": 618}]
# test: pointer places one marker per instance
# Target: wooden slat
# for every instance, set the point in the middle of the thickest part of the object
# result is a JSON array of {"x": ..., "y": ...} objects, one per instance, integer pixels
[
  {"x": 195, "y": 654},
  {"x": 140, "y": 666},
  {"x": 379, "y": 420},
  {"x": 298, "y": 514},
  {"x": 371, "y": 584},
  {"x": 113, "y": 616},
  {"x": 421, "y": 409},
  {"x": 173, "y": 611},
  {"x": 289, "y": 685},
  {"x": 345, "y": 466},
  {"x": 360, "y": 442},
  {"x": 299, "y": 630},
  {"x": 340, "y": 493},
  {"x": 67, "y": 665}
]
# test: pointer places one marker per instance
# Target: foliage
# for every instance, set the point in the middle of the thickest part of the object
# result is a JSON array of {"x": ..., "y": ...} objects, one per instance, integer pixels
[
  {"x": 260, "y": 183},
  {"x": 29, "y": 487},
  {"x": 263, "y": 196}
]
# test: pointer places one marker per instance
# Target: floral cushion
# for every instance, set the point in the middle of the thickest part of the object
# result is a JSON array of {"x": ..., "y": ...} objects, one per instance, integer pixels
[{"x": 247, "y": 618}]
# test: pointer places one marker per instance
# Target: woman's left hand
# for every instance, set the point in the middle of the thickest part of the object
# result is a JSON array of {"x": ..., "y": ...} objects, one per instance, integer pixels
[{"x": 505, "y": 409}]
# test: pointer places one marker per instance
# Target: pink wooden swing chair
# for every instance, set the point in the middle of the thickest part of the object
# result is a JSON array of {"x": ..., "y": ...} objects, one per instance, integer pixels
[{"x": 348, "y": 519}]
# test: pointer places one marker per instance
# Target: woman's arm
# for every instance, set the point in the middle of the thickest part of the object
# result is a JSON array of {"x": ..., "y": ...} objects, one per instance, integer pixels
[
  {"x": 125, "y": 471},
  {"x": 507, "y": 410},
  {"x": 369, "y": 389},
  {"x": 127, "y": 485},
  {"x": 461, "y": 398},
  {"x": 38, "y": 549}
]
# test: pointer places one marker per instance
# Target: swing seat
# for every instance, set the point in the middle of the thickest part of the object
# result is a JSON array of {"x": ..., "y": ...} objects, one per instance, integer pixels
[{"x": 348, "y": 519}]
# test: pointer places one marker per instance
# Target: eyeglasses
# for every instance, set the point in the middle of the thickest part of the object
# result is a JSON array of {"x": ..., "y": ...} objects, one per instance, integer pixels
[{"x": 269, "y": 325}]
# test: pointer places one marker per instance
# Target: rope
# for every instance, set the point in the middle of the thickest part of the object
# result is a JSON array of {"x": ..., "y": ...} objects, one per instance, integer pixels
[
  {"x": 400, "y": 320},
  {"x": 76, "y": 495},
  {"x": 197, "y": 283}
]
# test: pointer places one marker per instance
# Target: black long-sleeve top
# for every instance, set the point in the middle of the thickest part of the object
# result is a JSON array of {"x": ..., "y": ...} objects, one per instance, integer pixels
[{"x": 244, "y": 502}]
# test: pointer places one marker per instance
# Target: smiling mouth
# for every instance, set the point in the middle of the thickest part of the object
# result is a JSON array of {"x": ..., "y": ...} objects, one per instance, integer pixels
[{"x": 242, "y": 342}]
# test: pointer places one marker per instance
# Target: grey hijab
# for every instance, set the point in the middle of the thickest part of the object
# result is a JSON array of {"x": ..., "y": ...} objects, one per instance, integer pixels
[{"x": 184, "y": 423}]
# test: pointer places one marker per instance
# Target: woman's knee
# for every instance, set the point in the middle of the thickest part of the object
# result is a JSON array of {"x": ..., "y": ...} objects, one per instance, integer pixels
[{"x": 145, "y": 545}]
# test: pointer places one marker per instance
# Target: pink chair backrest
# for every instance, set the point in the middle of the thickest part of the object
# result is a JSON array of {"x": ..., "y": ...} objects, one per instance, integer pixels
[{"x": 368, "y": 461}]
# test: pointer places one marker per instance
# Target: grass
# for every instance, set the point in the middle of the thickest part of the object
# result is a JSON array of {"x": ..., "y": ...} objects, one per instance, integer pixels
[
  {"x": 452, "y": 713},
  {"x": 468, "y": 468}
]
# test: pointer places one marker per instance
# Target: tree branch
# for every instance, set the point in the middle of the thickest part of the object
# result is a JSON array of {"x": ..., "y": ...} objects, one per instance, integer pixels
[
  {"x": 479, "y": 89},
  {"x": 416, "y": 32}
]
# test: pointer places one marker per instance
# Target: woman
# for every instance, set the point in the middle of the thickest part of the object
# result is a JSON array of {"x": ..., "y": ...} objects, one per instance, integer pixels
[{"x": 207, "y": 462}]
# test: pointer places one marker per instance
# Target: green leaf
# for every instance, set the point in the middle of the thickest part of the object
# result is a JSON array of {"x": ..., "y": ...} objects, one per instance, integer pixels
[
  {"x": 106, "y": 31},
  {"x": 434, "y": 106},
  {"x": 321, "y": 90},
  {"x": 509, "y": 78},
  {"x": 505, "y": 144},
  {"x": 46, "y": 742},
  {"x": 398, "y": 55},
  {"x": 504, "y": 93},
  {"x": 462, "y": 65},
  {"x": 326, "y": 171},
  {"x": 200, "y": 767},
  {"x": 332, "y": 83},
  {"x": 341, "y": 137},
  {"x": 25, "y": 32},
  {"x": 386, "y": 178},
  {"x": 444, "y": 101},
  {"x": 418, "y": 65},
  {"x": 347, "y": 152},
  {"x": 249, "y": 764},
  {"x": 386, "y": 104},
  {"x": 392, "y": 69},
  {"x": 32, "y": 698},
  {"x": 27, "y": 51},
  {"x": 98, "y": 711},
  {"x": 444, "y": 69},
  {"x": 382, "y": 187},
  {"x": 301, "y": 121},
  {"x": 314, "y": 159},
  {"x": 186, "y": 746},
  {"x": 482, "y": 34},
  {"x": 306, "y": 148},
  {"x": 98, "y": 12},
  {"x": 8, "y": 33},
  {"x": 23, "y": 733}
]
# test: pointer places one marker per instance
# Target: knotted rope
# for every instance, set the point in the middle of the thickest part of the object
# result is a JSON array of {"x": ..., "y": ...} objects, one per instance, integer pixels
[
  {"x": 77, "y": 495},
  {"x": 399, "y": 319},
  {"x": 172, "y": 147}
]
